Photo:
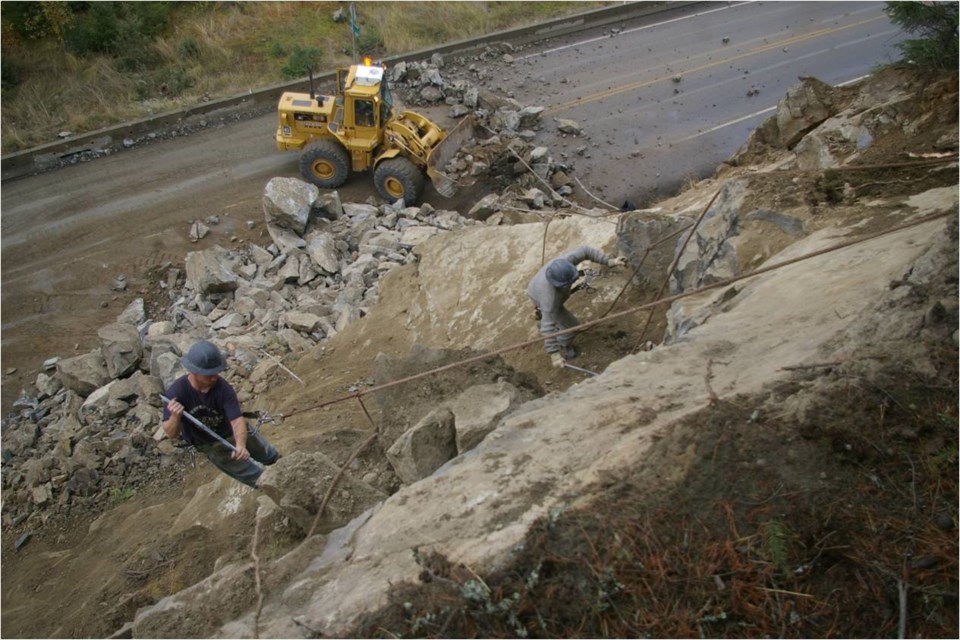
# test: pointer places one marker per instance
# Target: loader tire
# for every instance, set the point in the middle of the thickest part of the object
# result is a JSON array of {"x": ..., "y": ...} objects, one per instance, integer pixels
[
  {"x": 398, "y": 178},
  {"x": 325, "y": 163}
]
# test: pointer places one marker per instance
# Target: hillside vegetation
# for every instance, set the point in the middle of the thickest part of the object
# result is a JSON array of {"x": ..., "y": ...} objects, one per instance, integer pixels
[{"x": 80, "y": 66}]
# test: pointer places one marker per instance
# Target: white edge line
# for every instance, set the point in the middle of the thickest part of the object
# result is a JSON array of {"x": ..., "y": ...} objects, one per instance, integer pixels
[{"x": 628, "y": 31}]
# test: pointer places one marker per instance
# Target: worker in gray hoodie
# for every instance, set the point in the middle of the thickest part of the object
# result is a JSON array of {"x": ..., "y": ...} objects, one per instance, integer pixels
[{"x": 549, "y": 290}]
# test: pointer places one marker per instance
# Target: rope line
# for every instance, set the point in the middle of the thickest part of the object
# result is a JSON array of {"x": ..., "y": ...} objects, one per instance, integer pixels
[{"x": 620, "y": 314}]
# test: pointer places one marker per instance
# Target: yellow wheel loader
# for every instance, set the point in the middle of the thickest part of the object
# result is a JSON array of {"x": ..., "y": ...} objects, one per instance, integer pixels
[{"x": 358, "y": 129}]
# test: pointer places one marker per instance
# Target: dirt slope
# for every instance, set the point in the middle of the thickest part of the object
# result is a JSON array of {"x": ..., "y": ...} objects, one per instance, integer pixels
[{"x": 801, "y": 441}]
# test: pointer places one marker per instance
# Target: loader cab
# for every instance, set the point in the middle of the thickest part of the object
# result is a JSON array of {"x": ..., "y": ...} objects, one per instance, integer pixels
[{"x": 362, "y": 112}]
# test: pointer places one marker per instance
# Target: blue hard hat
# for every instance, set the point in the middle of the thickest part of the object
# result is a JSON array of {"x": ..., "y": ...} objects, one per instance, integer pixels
[
  {"x": 561, "y": 273},
  {"x": 204, "y": 358}
]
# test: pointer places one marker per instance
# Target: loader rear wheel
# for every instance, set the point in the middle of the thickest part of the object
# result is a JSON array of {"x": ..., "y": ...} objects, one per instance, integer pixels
[
  {"x": 325, "y": 164},
  {"x": 398, "y": 178}
]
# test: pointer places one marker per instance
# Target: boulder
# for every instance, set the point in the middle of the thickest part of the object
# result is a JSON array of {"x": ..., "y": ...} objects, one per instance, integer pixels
[
  {"x": 486, "y": 207},
  {"x": 83, "y": 374},
  {"x": 287, "y": 203},
  {"x": 804, "y": 107},
  {"x": 328, "y": 206},
  {"x": 21, "y": 439},
  {"x": 303, "y": 322},
  {"x": 379, "y": 241},
  {"x": 161, "y": 328},
  {"x": 121, "y": 348},
  {"x": 228, "y": 496},
  {"x": 322, "y": 249},
  {"x": 285, "y": 239},
  {"x": 425, "y": 447},
  {"x": 570, "y": 127},
  {"x": 530, "y": 116},
  {"x": 260, "y": 256},
  {"x": 208, "y": 272},
  {"x": 413, "y": 236},
  {"x": 134, "y": 314},
  {"x": 47, "y": 386},
  {"x": 308, "y": 272},
  {"x": 166, "y": 366},
  {"x": 359, "y": 212},
  {"x": 478, "y": 410}
]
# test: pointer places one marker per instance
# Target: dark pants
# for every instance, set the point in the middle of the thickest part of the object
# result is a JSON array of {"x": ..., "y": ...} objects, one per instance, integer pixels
[{"x": 246, "y": 471}]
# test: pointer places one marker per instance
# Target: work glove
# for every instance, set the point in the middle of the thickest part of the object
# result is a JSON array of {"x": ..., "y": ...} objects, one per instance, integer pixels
[
  {"x": 557, "y": 360},
  {"x": 617, "y": 262}
]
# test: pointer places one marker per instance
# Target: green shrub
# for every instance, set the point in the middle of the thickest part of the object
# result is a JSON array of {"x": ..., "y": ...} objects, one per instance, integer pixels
[
  {"x": 936, "y": 25},
  {"x": 38, "y": 20},
  {"x": 115, "y": 28},
  {"x": 11, "y": 74},
  {"x": 300, "y": 61},
  {"x": 370, "y": 42},
  {"x": 189, "y": 48},
  {"x": 277, "y": 50},
  {"x": 169, "y": 82}
]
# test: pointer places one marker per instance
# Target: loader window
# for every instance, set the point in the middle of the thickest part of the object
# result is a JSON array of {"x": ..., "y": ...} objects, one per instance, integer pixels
[
  {"x": 386, "y": 102},
  {"x": 363, "y": 113}
]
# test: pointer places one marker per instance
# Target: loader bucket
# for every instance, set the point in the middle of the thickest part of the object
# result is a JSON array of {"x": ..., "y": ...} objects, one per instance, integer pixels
[{"x": 444, "y": 152}]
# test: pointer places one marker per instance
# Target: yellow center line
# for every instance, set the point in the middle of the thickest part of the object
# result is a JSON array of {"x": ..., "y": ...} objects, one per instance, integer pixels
[{"x": 762, "y": 49}]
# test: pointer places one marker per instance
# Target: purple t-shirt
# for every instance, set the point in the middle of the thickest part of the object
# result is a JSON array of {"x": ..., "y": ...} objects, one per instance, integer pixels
[{"x": 216, "y": 409}]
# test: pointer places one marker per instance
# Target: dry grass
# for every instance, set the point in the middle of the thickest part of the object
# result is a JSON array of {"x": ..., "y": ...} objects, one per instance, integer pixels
[{"x": 216, "y": 50}]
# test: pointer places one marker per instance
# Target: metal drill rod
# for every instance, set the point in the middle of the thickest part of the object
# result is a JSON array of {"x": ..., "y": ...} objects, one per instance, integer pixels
[
  {"x": 581, "y": 369},
  {"x": 205, "y": 428}
]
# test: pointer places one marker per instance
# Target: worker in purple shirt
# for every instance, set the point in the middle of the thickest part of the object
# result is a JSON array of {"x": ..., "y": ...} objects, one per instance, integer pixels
[{"x": 213, "y": 401}]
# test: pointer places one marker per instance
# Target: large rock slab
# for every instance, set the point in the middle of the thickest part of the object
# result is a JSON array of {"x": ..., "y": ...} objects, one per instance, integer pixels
[{"x": 710, "y": 256}]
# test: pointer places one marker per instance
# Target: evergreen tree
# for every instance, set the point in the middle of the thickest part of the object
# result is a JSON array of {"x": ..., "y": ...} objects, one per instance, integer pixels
[{"x": 936, "y": 25}]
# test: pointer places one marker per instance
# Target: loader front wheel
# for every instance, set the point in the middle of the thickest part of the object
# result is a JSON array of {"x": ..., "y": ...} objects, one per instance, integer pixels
[
  {"x": 325, "y": 164},
  {"x": 398, "y": 178}
]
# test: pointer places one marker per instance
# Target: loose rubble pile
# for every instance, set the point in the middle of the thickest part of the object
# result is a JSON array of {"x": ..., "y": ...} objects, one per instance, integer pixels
[
  {"x": 502, "y": 151},
  {"x": 91, "y": 425}
]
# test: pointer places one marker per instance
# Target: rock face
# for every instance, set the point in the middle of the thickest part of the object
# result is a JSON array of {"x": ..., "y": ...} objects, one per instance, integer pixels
[{"x": 456, "y": 511}]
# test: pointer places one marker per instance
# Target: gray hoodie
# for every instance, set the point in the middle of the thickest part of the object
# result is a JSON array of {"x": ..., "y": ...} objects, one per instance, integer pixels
[{"x": 549, "y": 299}]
